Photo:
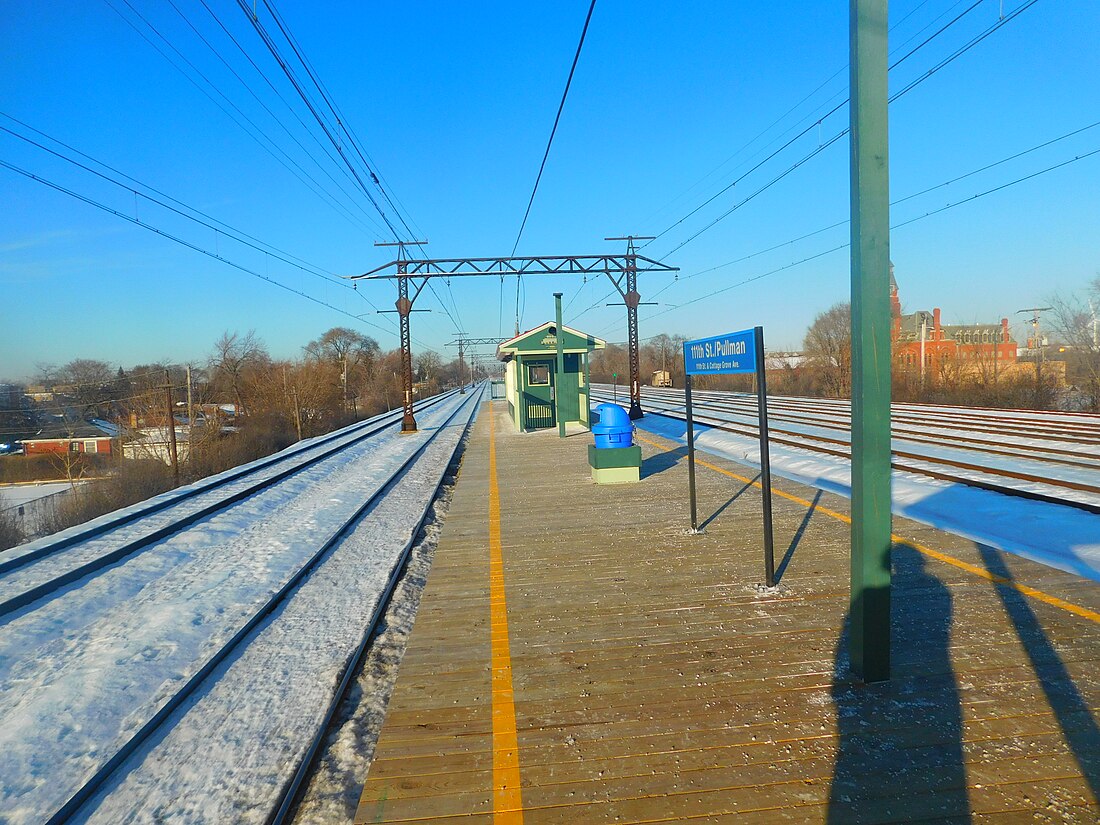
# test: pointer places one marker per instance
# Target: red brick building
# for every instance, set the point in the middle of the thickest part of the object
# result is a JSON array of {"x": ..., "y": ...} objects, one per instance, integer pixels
[
  {"x": 78, "y": 437},
  {"x": 967, "y": 344}
]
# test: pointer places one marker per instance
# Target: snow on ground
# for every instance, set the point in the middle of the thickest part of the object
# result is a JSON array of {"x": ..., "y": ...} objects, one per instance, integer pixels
[
  {"x": 1063, "y": 537},
  {"x": 212, "y": 765},
  {"x": 15, "y": 495},
  {"x": 332, "y": 794},
  {"x": 93, "y": 666},
  {"x": 268, "y": 465}
]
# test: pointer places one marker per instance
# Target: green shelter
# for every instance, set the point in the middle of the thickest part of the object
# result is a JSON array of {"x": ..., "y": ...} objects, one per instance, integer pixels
[{"x": 530, "y": 381}]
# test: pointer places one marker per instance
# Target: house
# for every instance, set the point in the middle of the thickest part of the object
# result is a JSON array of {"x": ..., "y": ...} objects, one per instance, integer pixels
[
  {"x": 90, "y": 437},
  {"x": 155, "y": 442}
]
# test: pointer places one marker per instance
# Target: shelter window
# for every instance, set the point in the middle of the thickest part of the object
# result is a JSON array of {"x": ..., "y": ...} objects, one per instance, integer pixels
[{"x": 538, "y": 375}]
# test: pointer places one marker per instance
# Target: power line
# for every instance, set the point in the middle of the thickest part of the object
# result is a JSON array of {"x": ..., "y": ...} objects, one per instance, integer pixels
[
  {"x": 986, "y": 168},
  {"x": 815, "y": 121},
  {"x": 252, "y": 242},
  {"x": 899, "y": 225},
  {"x": 164, "y": 234},
  {"x": 341, "y": 121},
  {"x": 909, "y": 87},
  {"x": 549, "y": 143},
  {"x": 267, "y": 109},
  {"x": 255, "y": 132},
  {"x": 554, "y": 129},
  {"x": 303, "y": 94}
]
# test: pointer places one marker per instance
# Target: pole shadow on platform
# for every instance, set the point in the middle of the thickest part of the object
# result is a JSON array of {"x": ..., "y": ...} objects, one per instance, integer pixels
[
  {"x": 900, "y": 753},
  {"x": 1079, "y": 728}
]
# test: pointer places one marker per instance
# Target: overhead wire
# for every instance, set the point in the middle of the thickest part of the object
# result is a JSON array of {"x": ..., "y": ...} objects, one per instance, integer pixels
[
  {"x": 790, "y": 111},
  {"x": 342, "y": 127},
  {"x": 956, "y": 179},
  {"x": 311, "y": 106},
  {"x": 341, "y": 121},
  {"x": 273, "y": 149},
  {"x": 821, "y": 147},
  {"x": 176, "y": 239},
  {"x": 323, "y": 167},
  {"x": 165, "y": 201},
  {"x": 550, "y": 143},
  {"x": 894, "y": 226}
]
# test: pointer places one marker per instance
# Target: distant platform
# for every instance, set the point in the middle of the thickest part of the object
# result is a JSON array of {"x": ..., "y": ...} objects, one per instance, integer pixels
[{"x": 578, "y": 657}]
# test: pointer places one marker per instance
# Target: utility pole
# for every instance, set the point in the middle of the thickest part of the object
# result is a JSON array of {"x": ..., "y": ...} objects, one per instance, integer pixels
[
  {"x": 404, "y": 306},
  {"x": 461, "y": 336},
  {"x": 1037, "y": 339},
  {"x": 345, "y": 382},
  {"x": 923, "y": 333},
  {"x": 298, "y": 414},
  {"x": 190, "y": 413},
  {"x": 172, "y": 449},
  {"x": 559, "y": 365},
  {"x": 632, "y": 300},
  {"x": 869, "y": 611}
]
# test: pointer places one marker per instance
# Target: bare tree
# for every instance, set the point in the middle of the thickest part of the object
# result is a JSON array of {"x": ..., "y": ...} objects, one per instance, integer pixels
[
  {"x": 428, "y": 365},
  {"x": 233, "y": 355},
  {"x": 88, "y": 382},
  {"x": 1076, "y": 321},
  {"x": 828, "y": 348},
  {"x": 340, "y": 343}
]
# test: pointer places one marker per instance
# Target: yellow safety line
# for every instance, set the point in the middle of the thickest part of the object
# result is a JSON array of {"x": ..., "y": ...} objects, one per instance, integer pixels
[
  {"x": 507, "y": 797},
  {"x": 1084, "y": 612}
]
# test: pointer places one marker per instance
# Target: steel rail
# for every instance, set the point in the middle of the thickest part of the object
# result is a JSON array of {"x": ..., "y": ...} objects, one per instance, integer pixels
[
  {"x": 291, "y": 792},
  {"x": 128, "y": 548},
  {"x": 93, "y": 784},
  {"x": 721, "y": 424},
  {"x": 166, "y": 500},
  {"x": 1021, "y": 427},
  {"x": 916, "y": 436},
  {"x": 950, "y": 411}
]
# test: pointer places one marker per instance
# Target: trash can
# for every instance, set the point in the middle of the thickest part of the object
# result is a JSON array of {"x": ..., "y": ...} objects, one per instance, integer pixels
[{"x": 614, "y": 428}]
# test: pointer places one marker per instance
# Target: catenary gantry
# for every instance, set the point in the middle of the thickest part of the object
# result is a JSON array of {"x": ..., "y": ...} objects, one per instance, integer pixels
[{"x": 621, "y": 269}]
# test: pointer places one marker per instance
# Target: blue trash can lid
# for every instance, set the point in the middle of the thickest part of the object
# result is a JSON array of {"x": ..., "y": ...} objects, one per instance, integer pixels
[{"x": 612, "y": 415}]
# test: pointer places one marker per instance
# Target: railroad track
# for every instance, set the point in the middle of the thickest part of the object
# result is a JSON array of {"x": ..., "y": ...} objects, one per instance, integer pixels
[
  {"x": 110, "y": 775},
  {"x": 43, "y": 567},
  {"x": 1021, "y": 454}
]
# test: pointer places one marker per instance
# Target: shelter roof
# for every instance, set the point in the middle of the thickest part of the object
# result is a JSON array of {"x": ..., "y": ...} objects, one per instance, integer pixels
[{"x": 543, "y": 339}]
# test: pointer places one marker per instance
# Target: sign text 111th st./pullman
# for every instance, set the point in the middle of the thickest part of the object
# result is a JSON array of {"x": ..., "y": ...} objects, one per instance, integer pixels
[{"x": 731, "y": 353}]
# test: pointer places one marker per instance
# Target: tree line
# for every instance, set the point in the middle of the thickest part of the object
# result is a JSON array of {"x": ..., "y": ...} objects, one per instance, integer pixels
[
  {"x": 236, "y": 405},
  {"x": 823, "y": 368}
]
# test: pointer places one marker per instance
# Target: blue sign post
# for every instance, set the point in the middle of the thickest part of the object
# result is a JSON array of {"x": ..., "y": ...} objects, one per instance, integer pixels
[{"x": 735, "y": 353}]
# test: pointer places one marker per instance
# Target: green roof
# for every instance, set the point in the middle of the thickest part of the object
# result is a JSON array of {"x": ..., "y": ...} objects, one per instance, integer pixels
[{"x": 543, "y": 339}]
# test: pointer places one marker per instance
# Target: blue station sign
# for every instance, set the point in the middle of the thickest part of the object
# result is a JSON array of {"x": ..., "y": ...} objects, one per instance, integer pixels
[{"x": 731, "y": 354}]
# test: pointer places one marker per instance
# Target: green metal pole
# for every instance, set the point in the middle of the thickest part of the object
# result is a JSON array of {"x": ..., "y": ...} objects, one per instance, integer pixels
[
  {"x": 870, "y": 192},
  {"x": 559, "y": 368}
]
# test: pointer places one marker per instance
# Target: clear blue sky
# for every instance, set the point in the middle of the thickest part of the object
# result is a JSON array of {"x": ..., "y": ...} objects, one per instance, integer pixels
[{"x": 454, "y": 103}]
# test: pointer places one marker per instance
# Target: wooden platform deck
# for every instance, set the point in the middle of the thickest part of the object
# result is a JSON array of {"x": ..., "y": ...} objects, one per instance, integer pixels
[{"x": 579, "y": 658}]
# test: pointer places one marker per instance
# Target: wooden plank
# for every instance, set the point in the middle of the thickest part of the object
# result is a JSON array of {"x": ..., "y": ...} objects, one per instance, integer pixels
[{"x": 654, "y": 683}]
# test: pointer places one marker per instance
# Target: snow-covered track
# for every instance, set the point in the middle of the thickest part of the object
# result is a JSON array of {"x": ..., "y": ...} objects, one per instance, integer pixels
[
  {"x": 1047, "y": 457},
  {"x": 44, "y": 567},
  {"x": 89, "y": 779},
  {"x": 289, "y": 794}
]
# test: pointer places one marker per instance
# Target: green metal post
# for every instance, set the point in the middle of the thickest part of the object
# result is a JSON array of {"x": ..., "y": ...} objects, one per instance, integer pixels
[
  {"x": 559, "y": 368},
  {"x": 870, "y": 193}
]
